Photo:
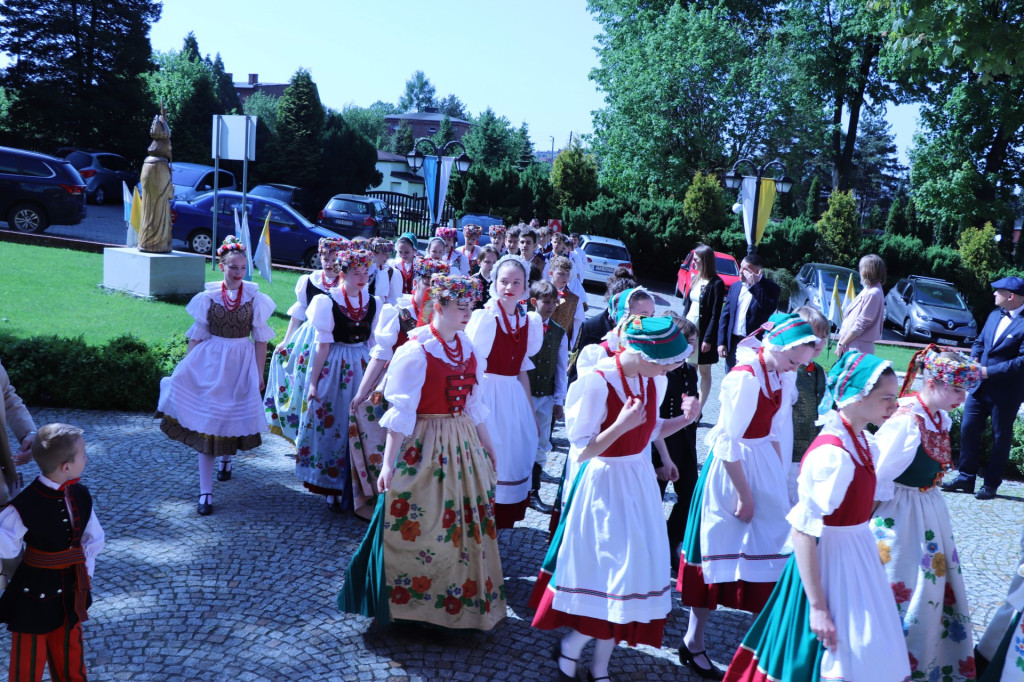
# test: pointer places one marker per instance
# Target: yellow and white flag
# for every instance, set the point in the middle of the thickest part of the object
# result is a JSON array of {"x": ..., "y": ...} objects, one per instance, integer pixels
[
  {"x": 835, "y": 308},
  {"x": 850, "y": 294},
  {"x": 261, "y": 259},
  {"x": 132, "y": 214}
]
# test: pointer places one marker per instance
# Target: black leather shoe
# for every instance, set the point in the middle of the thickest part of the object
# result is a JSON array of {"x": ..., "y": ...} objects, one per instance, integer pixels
[
  {"x": 987, "y": 492},
  {"x": 960, "y": 484},
  {"x": 205, "y": 508},
  {"x": 591, "y": 678},
  {"x": 538, "y": 504},
  {"x": 690, "y": 660},
  {"x": 224, "y": 472}
]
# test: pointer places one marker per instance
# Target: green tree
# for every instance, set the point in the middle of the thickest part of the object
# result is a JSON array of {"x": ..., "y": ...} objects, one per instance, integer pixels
[
  {"x": 418, "y": 95},
  {"x": 812, "y": 212},
  {"x": 574, "y": 177},
  {"x": 876, "y": 170},
  {"x": 980, "y": 254},
  {"x": 369, "y": 122},
  {"x": 264, "y": 107},
  {"x": 490, "y": 141},
  {"x": 444, "y": 133},
  {"x": 184, "y": 84},
  {"x": 704, "y": 206},
  {"x": 77, "y": 70},
  {"x": 839, "y": 229},
  {"x": 300, "y": 129},
  {"x": 896, "y": 219},
  {"x": 453, "y": 107},
  {"x": 349, "y": 160},
  {"x": 224, "y": 87},
  {"x": 403, "y": 139}
]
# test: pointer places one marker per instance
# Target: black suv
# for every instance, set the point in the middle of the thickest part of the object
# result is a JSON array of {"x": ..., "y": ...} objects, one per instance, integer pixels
[
  {"x": 37, "y": 191},
  {"x": 103, "y": 173}
]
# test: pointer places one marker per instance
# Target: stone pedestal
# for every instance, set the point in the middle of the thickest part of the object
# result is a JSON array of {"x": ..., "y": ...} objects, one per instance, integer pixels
[{"x": 152, "y": 275}]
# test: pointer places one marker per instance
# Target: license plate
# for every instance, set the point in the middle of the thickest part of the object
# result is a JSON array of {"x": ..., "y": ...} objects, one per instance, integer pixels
[
  {"x": 948, "y": 342},
  {"x": 602, "y": 268},
  {"x": 343, "y": 222}
]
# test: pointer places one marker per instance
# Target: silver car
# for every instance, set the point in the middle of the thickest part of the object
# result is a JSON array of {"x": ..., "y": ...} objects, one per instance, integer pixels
[
  {"x": 815, "y": 282},
  {"x": 930, "y": 309}
]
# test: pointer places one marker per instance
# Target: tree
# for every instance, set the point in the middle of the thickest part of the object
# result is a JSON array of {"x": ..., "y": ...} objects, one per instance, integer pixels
[
  {"x": 369, "y": 122},
  {"x": 349, "y": 160},
  {"x": 839, "y": 229},
  {"x": 704, "y": 206},
  {"x": 77, "y": 71},
  {"x": 418, "y": 95},
  {"x": 490, "y": 141},
  {"x": 453, "y": 107},
  {"x": 184, "y": 84},
  {"x": 403, "y": 139},
  {"x": 224, "y": 87},
  {"x": 980, "y": 255},
  {"x": 876, "y": 170},
  {"x": 264, "y": 107},
  {"x": 300, "y": 129},
  {"x": 444, "y": 133},
  {"x": 574, "y": 177},
  {"x": 812, "y": 212}
]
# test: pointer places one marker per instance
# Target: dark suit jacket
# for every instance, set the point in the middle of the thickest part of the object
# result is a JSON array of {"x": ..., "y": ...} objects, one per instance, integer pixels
[
  {"x": 710, "y": 310},
  {"x": 1003, "y": 357},
  {"x": 592, "y": 331},
  {"x": 764, "y": 301}
]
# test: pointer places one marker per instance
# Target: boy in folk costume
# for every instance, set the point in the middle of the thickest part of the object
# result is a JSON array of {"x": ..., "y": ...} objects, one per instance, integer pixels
[
  {"x": 488, "y": 258},
  {"x": 569, "y": 314},
  {"x": 46, "y": 602},
  {"x": 385, "y": 279}
]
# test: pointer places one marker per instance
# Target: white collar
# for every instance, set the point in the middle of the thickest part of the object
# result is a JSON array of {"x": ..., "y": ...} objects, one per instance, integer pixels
[{"x": 52, "y": 485}]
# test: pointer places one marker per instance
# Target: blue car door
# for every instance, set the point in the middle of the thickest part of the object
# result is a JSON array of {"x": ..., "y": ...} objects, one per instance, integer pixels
[{"x": 286, "y": 237}]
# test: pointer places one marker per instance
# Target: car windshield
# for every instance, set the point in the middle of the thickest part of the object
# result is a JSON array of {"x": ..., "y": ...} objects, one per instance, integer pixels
[
  {"x": 346, "y": 205},
  {"x": 111, "y": 162},
  {"x": 609, "y": 251},
  {"x": 726, "y": 266},
  {"x": 943, "y": 297},
  {"x": 828, "y": 279},
  {"x": 272, "y": 192}
]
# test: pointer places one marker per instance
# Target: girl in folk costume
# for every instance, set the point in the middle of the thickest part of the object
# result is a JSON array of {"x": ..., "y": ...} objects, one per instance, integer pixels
[
  {"x": 290, "y": 362},
  {"x": 497, "y": 235},
  {"x": 437, "y": 249},
  {"x": 344, "y": 322},
  {"x": 832, "y": 615},
  {"x": 405, "y": 261},
  {"x": 637, "y": 301},
  {"x": 457, "y": 261},
  {"x": 911, "y": 524},
  {"x": 211, "y": 402},
  {"x": 385, "y": 280},
  {"x": 365, "y": 436},
  {"x": 604, "y": 574},
  {"x": 431, "y": 553},
  {"x": 504, "y": 338},
  {"x": 735, "y": 545},
  {"x": 470, "y": 250}
]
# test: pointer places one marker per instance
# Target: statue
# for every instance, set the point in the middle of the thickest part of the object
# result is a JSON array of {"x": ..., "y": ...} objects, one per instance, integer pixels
[{"x": 157, "y": 190}]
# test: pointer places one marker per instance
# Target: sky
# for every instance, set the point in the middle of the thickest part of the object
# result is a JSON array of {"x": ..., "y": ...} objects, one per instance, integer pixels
[{"x": 527, "y": 60}]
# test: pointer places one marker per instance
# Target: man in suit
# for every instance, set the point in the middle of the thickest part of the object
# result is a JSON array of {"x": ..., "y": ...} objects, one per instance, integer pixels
[
  {"x": 749, "y": 304},
  {"x": 1000, "y": 351}
]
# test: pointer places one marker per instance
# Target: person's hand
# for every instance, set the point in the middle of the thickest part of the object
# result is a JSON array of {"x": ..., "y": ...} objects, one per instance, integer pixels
[
  {"x": 26, "y": 445},
  {"x": 490, "y": 456},
  {"x": 690, "y": 407},
  {"x": 705, "y": 347},
  {"x": 314, "y": 391},
  {"x": 823, "y": 627},
  {"x": 722, "y": 351},
  {"x": 744, "y": 508},
  {"x": 356, "y": 402},
  {"x": 558, "y": 412},
  {"x": 632, "y": 414},
  {"x": 384, "y": 480},
  {"x": 668, "y": 472}
]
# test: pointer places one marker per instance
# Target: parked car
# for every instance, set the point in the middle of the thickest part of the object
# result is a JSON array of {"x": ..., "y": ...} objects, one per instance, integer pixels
[
  {"x": 725, "y": 264},
  {"x": 296, "y": 197},
  {"x": 103, "y": 173},
  {"x": 354, "y": 215},
  {"x": 930, "y": 309},
  {"x": 604, "y": 256},
  {"x": 38, "y": 190},
  {"x": 814, "y": 284},
  {"x": 293, "y": 239},
  {"x": 192, "y": 179}
]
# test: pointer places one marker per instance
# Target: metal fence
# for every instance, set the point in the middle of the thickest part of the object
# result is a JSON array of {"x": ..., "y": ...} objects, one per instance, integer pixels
[{"x": 411, "y": 212}]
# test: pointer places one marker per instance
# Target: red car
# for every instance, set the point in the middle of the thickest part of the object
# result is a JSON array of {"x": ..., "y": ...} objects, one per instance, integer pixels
[{"x": 728, "y": 270}]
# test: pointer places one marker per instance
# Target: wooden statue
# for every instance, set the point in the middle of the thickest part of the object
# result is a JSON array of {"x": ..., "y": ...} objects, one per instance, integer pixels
[{"x": 157, "y": 190}]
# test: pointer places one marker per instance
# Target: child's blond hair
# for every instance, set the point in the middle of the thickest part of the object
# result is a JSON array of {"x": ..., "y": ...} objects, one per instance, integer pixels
[
  {"x": 812, "y": 316},
  {"x": 55, "y": 445}
]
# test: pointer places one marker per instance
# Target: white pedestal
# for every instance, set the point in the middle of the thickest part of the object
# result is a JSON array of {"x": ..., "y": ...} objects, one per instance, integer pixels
[{"x": 153, "y": 274}]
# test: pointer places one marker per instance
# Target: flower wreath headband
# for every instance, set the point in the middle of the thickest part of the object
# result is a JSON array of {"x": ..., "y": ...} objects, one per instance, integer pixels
[
  {"x": 382, "y": 245},
  {"x": 354, "y": 258},
  {"x": 958, "y": 372},
  {"x": 495, "y": 230},
  {"x": 472, "y": 230},
  {"x": 231, "y": 244},
  {"x": 428, "y": 267},
  {"x": 446, "y": 232},
  {"x": 444, "y": 288}
]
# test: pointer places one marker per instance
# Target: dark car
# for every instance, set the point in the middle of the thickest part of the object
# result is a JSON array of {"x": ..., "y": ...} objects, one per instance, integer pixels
[
  {"x": 103, "y": 173},
  {"x": 296, "y": 197},
  {"x": 930, "y": 309},
  {"x": 293, "y": 239},
  {"x": 354, "y": 215},
  {"x": 37, "y": 190}
]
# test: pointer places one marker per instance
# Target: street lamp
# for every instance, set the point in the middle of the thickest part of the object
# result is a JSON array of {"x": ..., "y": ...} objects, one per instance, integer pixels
[
  {"x": 733, "y": 180},
  {"x": 415, "y": 159}
]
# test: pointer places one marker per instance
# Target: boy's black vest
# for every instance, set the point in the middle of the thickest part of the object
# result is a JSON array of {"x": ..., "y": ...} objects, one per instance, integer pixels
[
  {"x": 40, "y": 600},
  {"x": 542, "y": 377}
]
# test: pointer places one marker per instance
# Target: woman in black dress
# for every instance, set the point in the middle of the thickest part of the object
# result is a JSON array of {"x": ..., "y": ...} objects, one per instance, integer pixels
[{"x": 702, "y": 306}]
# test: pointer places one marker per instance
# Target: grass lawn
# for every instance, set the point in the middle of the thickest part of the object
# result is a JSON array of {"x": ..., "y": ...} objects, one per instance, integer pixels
[
  {"x": 45, "y": 291},
  {"x": 899, "y": 356}
]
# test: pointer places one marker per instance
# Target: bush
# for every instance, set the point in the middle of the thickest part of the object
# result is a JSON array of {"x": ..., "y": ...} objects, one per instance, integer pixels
[
  {"x": 786, "y": 281},
  {"x": 789, "y": 243},
  {"x": 839, "y": 229}
]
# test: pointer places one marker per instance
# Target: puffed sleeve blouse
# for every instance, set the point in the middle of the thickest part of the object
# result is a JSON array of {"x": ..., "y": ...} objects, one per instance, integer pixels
[
  {"x": 298, "y": 309},
  {"x": 321, "y": 316},
  {"x": 738, "y": 398},
  {"x": 388, "y": 328},
  {"x": 483, "y": 326},
  {"x": 898, "y": 440},
  {"x": 199, "y": 307},
  {"x": 405, "y": 377}
]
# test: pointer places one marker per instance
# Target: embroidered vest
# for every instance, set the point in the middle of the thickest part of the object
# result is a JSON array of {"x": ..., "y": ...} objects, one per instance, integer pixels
[
  {"x": 446, "y": 388},
  {"x": 347, "y": 330},
  {"x": 933, "y": 457},
  {"x": 506, "y": 356},
  {"x": 542, "y": 377},
  {"x": 565, "y": 313}
]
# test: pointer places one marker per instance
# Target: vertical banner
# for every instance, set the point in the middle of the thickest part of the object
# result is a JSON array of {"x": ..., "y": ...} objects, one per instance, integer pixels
[
  {"x": 764, "y": 206},
  {"x": 754, "y": 230},
  {"x": 748, "y": 191},
  {"x": 433, "y": 186}
]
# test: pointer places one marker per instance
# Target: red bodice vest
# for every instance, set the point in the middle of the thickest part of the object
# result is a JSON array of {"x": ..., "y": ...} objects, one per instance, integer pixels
[
  {"x": 607, "y": 348},
  {"x": 761, "y": 425},
  {"x": 446, "y": 387},
  {"x": 506, "y": 356},
  {"x": 631, "y": 442},
  {"x": 856, "y": 506}
]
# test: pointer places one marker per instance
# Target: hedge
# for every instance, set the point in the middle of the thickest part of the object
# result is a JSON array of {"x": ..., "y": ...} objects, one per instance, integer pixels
[{"x": 1016, "y": 470}]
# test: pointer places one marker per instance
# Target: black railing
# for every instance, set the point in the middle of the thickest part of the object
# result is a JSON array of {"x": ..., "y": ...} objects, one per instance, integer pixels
[{"x": 411, "y": 212}]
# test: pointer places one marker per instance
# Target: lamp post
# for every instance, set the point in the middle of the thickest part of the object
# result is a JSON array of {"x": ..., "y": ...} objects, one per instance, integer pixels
[
  {"x": 415, "y": 159},
  {"x": 733, "y": 180}
]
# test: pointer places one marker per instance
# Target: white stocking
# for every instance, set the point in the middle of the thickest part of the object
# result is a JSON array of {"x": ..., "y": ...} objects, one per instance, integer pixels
[{"x": 205, "y": 474}]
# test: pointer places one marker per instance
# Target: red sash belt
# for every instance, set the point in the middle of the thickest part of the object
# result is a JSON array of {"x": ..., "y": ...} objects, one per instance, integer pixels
[{"x": 60, "y": 560}]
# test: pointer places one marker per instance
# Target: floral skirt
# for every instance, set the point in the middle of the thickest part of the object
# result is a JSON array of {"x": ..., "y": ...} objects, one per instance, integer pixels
[
  {"x": 288, "y": 381},
  {"x": 366, "y": 440},
  {"x": 431, "y": 553},
  {"x": 322, "y": 457},
  {"x": 915, "y": 541}
]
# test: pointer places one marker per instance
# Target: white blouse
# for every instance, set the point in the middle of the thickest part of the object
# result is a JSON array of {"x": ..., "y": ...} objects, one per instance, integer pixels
[
  {"x": 458, "y": 264},
  {"x": 898, "y": 439},
  {"x": 483, "y": 326},
  {"x": 199, "y": 307},
  {"x": 738, "y": 403},
  {"x": 387, "y": 289},
  {"x": 586, "y": 404},
  {"x": 389, "y": 326},
  {"x": 593, "y": 353},
  {"x": 298, "y": 309},
  {"x": 825, "y": 476},
  {"x": 407, "y": 372},
  {"x": 321, "y": 314}
]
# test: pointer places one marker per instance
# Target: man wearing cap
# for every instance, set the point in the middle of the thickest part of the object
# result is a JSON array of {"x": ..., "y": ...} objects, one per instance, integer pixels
[{"x": 1000, "y": 351}]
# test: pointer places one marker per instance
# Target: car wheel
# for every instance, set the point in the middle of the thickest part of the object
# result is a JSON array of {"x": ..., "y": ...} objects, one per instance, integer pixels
[
  {"x": 201, "y": 242},
  {"x": 907, "y": 334},
  {"x": 311, "y": 260},
  {"x": 27, "y": 218},
  {"x": 100, "y": 197}
]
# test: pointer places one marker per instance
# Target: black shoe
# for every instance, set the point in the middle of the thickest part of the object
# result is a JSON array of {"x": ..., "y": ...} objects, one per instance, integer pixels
[
  {"x": 545, "y": 477},
  {"x": 538, "y": 504},
  {"x": 224, "y": 472},
  {"x": 556, "y": 655},
  {"x": 591, "y": 678},
  {"x": 961, "y": 484},
  {"x": 987, "y": 492},
  {"x": 690, "y": 660},
  {"x": 205, "y": 508}
]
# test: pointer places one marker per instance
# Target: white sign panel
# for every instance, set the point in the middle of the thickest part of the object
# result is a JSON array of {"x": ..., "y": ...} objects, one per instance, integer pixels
[{"x": 232, "y": 135}]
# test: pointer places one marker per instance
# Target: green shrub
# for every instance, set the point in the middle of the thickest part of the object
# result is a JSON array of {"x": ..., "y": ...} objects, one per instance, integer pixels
[
  {"x": 1016, "y": 468},
  {"x": 839, "y": 229},
  {"x": 786, "y": 281}
]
